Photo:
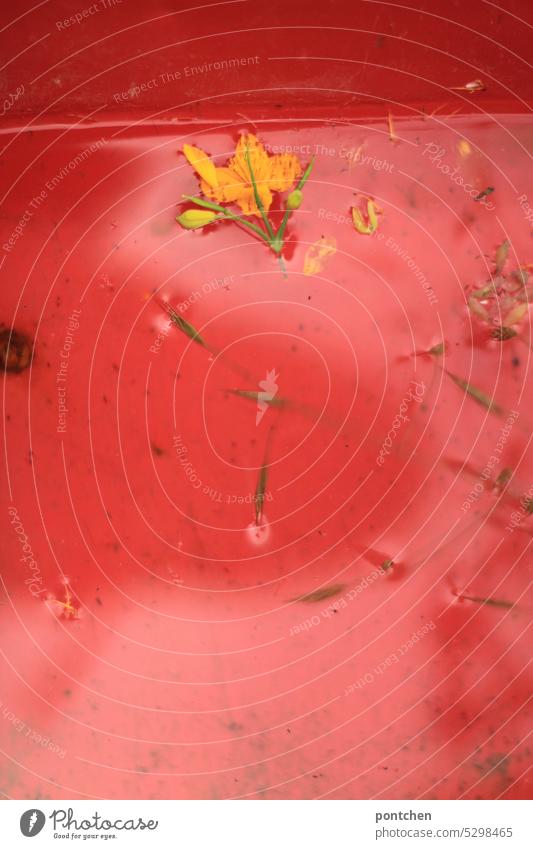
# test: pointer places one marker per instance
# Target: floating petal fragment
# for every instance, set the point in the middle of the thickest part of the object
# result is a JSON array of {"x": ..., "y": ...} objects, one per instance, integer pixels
[
  {"x": 318, "y": 254},
  {"x": 471, "y": 87},
  {"x": 366, "y": 222}
]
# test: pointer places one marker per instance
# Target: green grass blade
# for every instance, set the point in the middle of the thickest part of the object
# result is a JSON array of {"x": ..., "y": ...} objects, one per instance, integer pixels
[
  {"x": 481, "y": 397},
  {"x": 492, "y": 602},
  {"x": 321, "y": 594}
]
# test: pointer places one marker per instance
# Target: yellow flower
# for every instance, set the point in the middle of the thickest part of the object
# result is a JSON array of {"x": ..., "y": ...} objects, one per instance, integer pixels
[
  {"x": 191, "y": 219},
  {"x": 233, "y": 183}
]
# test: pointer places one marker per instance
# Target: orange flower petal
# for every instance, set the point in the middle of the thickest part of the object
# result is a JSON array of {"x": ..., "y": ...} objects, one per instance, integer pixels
[
  {"x": 247, "y": 203},
  {"x": 228, "y": 188},
  {"x": 201, "y": 164},
  {"x": 284, "y": 171},
  {"x": 259, "y": 160}
]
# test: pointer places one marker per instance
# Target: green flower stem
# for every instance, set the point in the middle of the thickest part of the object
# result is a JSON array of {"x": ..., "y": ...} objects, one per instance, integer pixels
[
  {"x": 258, "y": 200},
  {"x": 207, "y": 204},
  {"x": 281, "y": 232},
  {"x": 282, "y": 266}
]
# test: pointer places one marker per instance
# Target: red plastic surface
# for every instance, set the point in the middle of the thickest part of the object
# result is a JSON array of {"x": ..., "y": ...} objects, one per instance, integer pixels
[{"x": 155, "y": 643}]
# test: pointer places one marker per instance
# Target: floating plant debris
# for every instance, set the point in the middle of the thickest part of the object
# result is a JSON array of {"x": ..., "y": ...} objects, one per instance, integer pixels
[
  {"x": 492, "y": 602},
  {"x": 248, "y": 180},
  {"x": 392, "y": 133},
  {"x": 515, "y": 314},
  {"x": 16, "y": 350},
  {"x": 67, "y": 609},
  {"x": 471, "y": 87},
  {"x": 502, "y": 252},
  {"x": 478, "y": 309},
  {"x": 366, "y": 222},
  {"x": 502, "y": 334},
  {"x": 503, "y": 302},
  {"x": 475, "y": 393},
  {"x": 484, "y": 292},
  {"x": 484, "y": 193},
  {"x": 321, "y": 594}
]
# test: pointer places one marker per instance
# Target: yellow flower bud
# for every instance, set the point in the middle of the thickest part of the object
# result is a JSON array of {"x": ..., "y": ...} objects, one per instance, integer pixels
[
  {"x": 191, "y": 219},
  {"x": 295, "y": 199}
]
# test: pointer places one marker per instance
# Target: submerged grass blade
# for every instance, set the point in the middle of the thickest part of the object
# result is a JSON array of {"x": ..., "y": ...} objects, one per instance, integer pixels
[
  {"x": 321, "y": 594},
  {"x": 260, "y": 491},
  {"x": 527, "y": 504},
  {"x": 184, "y": 325},
  {"x": 504, "y": 477},
  {"x": 437, "y": 350},
  {"x": 475, "y": 393},
  {"x": 493, "y": 602},
  {"x": 259, "y": 396}
]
